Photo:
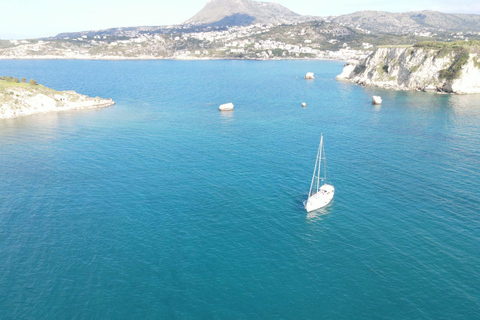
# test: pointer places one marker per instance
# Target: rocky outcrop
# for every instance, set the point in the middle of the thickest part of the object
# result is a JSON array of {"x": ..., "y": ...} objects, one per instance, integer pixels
[
  {"x": 347, "y": 71},
  {"x": 452, "y": 70},
  {"x": 22, "y": 99}
]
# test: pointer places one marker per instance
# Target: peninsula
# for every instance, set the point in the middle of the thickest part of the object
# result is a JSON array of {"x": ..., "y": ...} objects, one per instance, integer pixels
[
  {"x": 22, "y": 98},
  {"x": 450, "y": 67}
]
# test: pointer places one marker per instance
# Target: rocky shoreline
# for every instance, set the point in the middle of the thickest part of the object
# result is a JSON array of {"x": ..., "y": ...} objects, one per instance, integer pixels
[
  {"x": 22, "y": 99},
  {"x": 443, "y": 70}
]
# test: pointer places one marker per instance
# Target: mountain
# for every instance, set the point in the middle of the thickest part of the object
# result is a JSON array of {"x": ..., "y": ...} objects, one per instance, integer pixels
[
  {"x": 243, "y": 12},
  {"x": 407, "y": 22},
  {"x": 222, "y": 14}
]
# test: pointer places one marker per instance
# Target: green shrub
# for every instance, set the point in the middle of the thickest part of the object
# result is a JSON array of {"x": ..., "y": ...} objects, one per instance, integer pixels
[
  {"x": 15, "y": 80},
  {"x": 455, "y": 69},
  {"x": 453, "y": 45},
  {"x": 443, "y": 52},
  {"x": 277, "y": 52},
  {"x": 476, "y": 63},
  {"x": 9, "y": 79},
  {"x": 33, "y": 82},
  {"x": 23, "y": 80}
]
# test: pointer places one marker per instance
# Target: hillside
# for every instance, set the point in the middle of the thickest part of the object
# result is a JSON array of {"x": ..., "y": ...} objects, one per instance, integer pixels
[
  {"x": 248, "y": 29},
  {"x": 410, "y": 22},
  {"x": 20, "y": 99},
  {"x": 313, "y": 39},
  {"x": 428, "y": 66}
]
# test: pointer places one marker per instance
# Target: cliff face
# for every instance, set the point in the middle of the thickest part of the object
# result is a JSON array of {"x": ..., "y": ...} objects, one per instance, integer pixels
[
  {"x": 20, "y": 99},
  {"x": 427, "y": 69}
]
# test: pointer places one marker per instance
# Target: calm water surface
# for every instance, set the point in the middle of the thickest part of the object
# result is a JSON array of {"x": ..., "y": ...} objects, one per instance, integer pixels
[{"x": 164, "y": 208}]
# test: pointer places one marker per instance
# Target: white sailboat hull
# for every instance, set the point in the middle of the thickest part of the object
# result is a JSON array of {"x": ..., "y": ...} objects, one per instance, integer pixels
[{"x": 321, "y": 198}]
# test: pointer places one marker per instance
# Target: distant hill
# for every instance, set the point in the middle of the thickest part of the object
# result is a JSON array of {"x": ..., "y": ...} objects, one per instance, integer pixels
[
  {"x": 243, "y": 12},
  {"x": 407, "y": 22},
  {"x": 221, "y": 14}
]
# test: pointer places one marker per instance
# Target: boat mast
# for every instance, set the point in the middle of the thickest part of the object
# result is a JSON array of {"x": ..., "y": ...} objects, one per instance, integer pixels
[
  {"x": 315, "y": 170},
  {"x": 319, "y": 162},
  {"x": 324, "y": 165}
]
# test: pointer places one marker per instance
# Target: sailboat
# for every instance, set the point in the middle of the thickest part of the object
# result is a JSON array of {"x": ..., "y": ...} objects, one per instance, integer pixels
[{"x": 320, "y": 193}]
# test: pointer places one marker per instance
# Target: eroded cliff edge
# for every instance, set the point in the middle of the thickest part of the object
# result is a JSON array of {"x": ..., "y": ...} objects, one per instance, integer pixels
[{"x": 433, "y": 66}]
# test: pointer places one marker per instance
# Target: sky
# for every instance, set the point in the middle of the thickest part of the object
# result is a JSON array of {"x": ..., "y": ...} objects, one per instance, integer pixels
[{"x": 23, "y": 19}]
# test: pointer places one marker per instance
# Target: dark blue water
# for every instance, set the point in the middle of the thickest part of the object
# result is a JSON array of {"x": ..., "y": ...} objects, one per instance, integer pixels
[{"x": 164, "y": 208}]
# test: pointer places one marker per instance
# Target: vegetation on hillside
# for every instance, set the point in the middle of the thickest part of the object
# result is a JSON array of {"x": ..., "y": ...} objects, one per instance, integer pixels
[
  {"x": 410, "y": 22},
  {"x": 6, "y": 79},
  {"x": 303, "y": 39},
  {"x": 472, "y": 44},
  {"x": 455, "y": 70},
  {"x": 460, "y": 50}
]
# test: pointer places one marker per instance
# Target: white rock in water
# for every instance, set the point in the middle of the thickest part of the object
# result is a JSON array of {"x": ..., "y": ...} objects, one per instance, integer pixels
[
  {"x": 309, "y": 75},
  {"x": 304, "y": 104},
  {"x": 377, "y": 100},
  {"x": 226, "y": 107}
]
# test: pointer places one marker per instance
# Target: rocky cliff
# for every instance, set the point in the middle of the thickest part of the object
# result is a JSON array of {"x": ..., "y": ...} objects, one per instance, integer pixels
[
  {"x": 442, "y": 68},
  {"x": 20, "y": 99}
]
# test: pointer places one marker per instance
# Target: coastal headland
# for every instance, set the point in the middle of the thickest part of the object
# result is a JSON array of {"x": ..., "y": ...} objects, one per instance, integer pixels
[
  {"x": 446, "y": 67},
  {"x": 21, "y": 99}
]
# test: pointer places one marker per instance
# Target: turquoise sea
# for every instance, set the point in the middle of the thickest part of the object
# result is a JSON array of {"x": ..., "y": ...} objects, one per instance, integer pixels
[{"x": 162, "y": 207}]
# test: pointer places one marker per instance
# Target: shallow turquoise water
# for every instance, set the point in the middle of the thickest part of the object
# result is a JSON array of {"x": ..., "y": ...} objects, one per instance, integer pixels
[{"x": 163, "y": 207}]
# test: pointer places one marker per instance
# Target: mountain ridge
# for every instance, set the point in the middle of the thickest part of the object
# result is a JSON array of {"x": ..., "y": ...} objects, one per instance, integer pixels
[
  {"x": 230, "y": 13},
  {"x": 254, "y": 11},
  {"x": 410, "y": 21}
]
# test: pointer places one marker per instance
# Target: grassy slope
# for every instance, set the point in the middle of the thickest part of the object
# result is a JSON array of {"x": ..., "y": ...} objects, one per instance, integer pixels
[
  {"x": 461, "y": 52},
  {"x": 12, "y": 93}
]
